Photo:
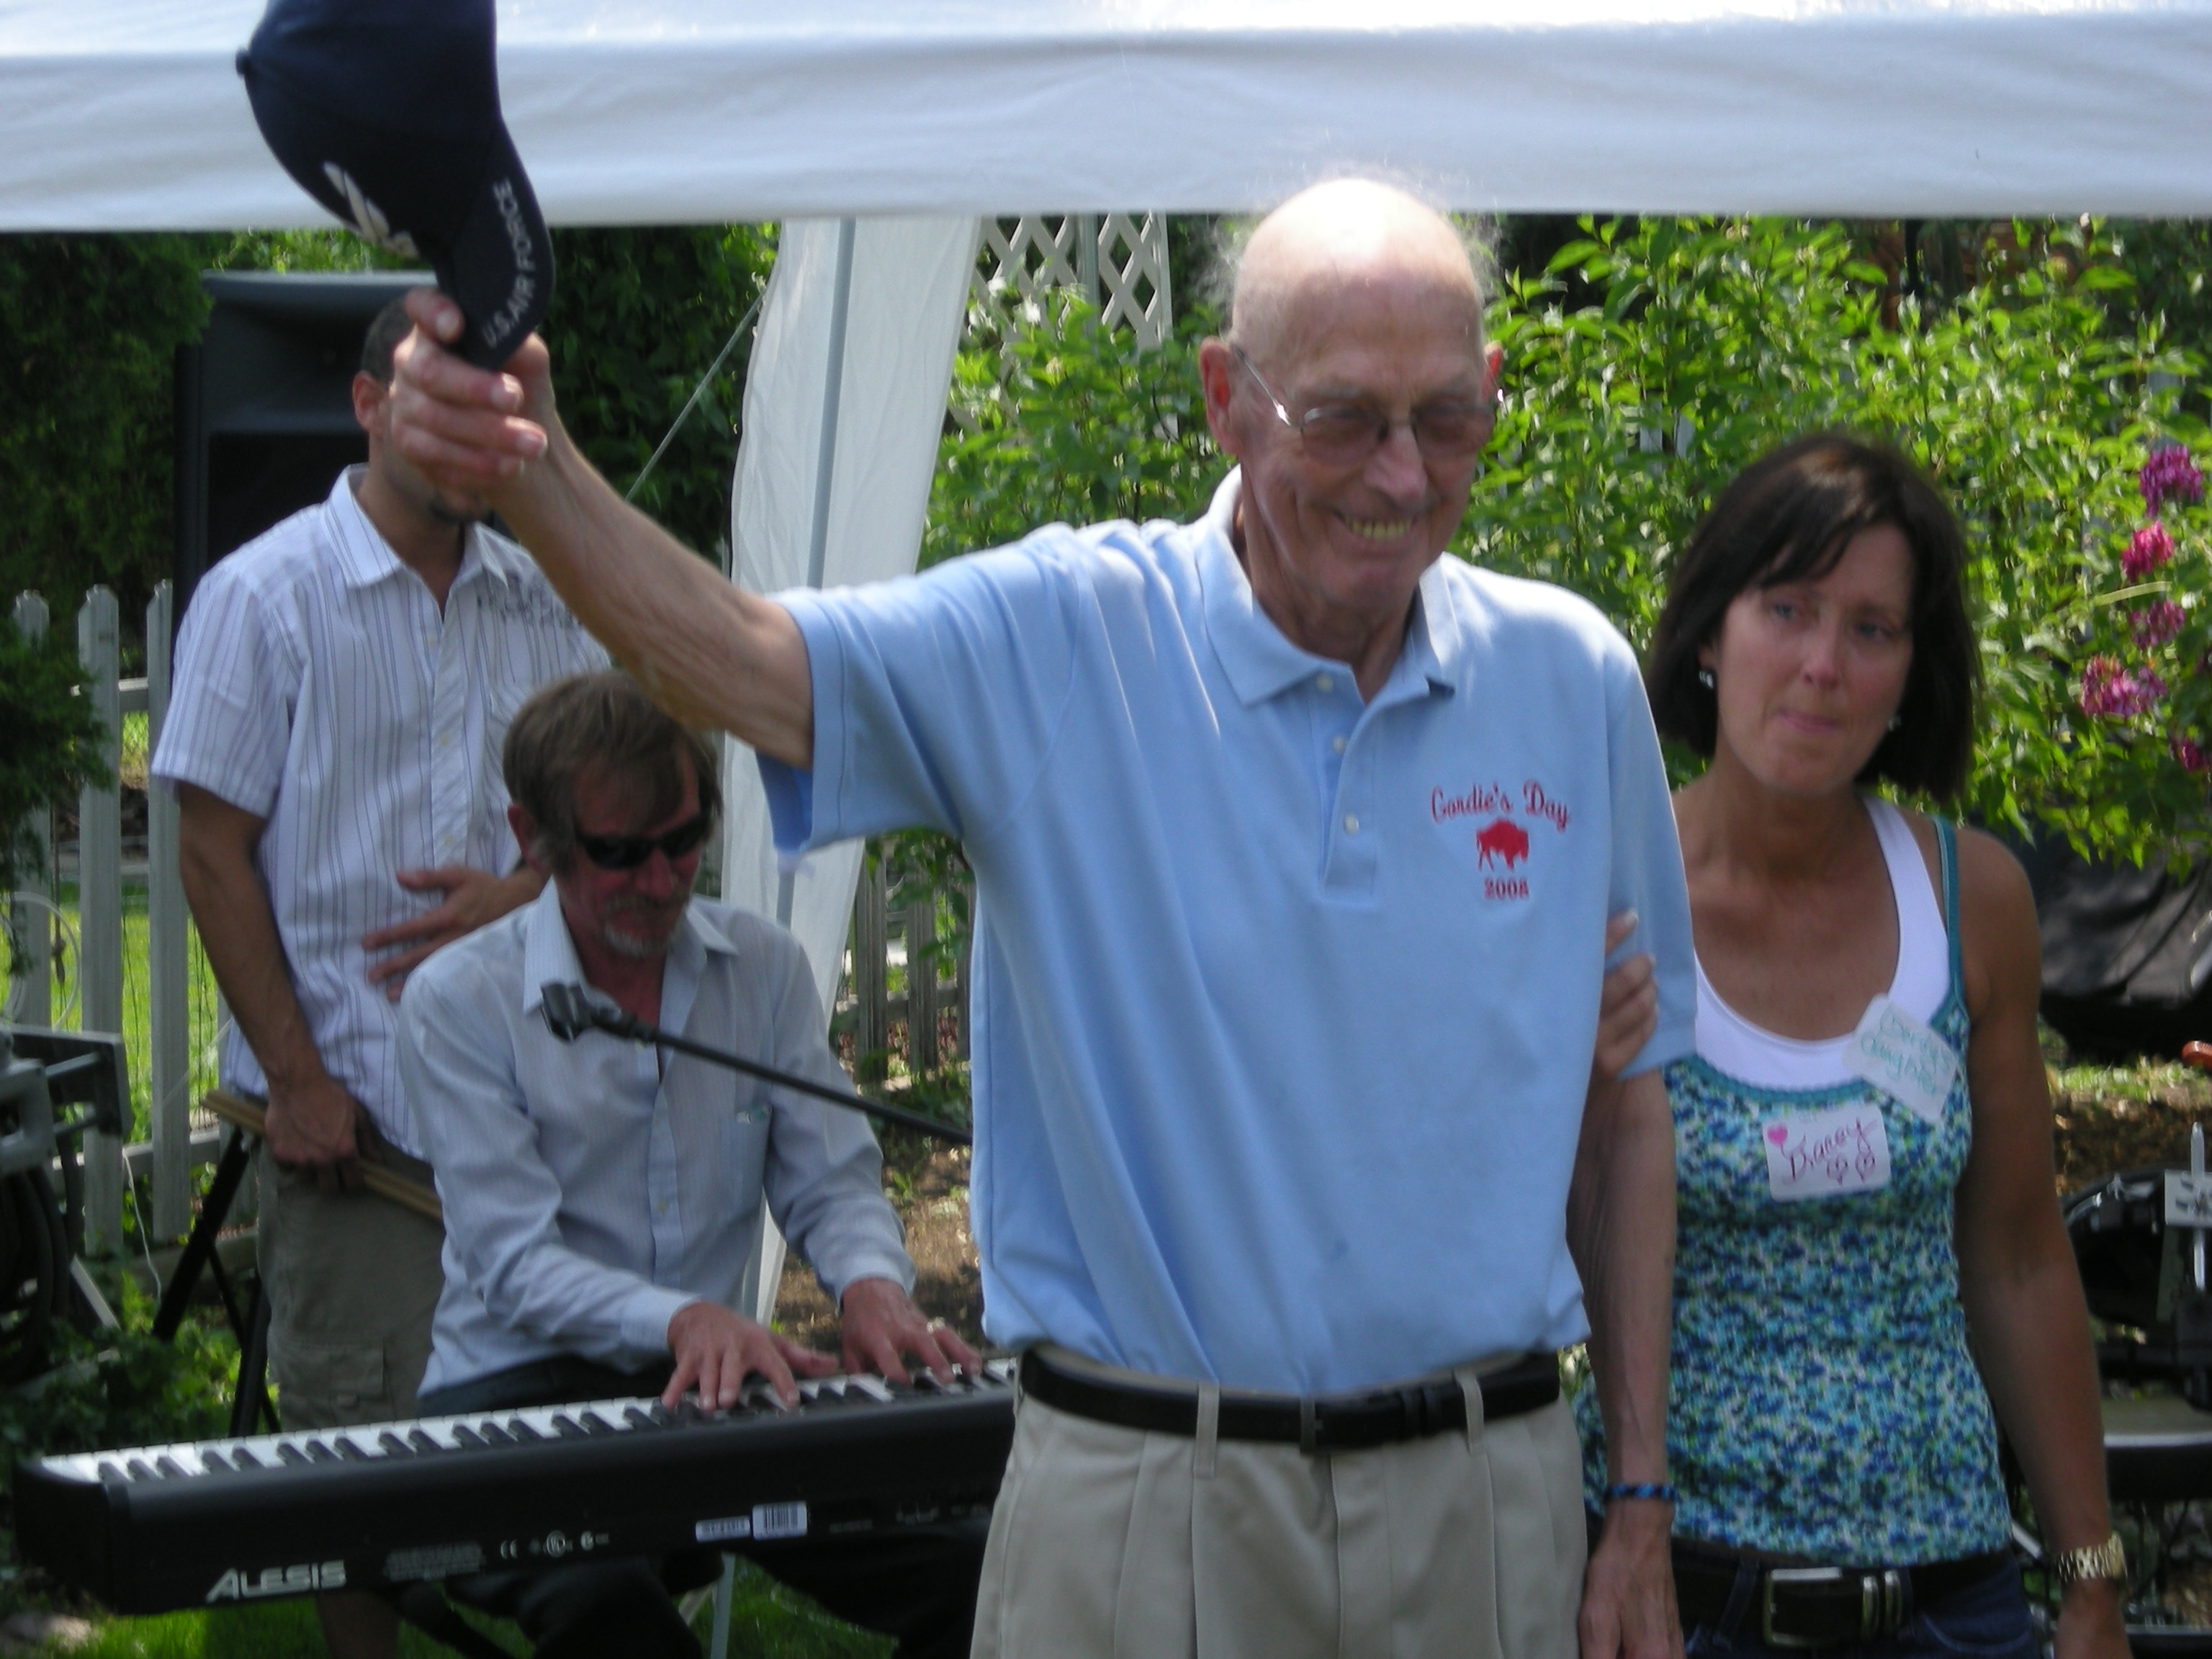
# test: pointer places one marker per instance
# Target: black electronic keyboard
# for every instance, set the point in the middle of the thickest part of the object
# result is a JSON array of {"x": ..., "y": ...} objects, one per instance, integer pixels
[{"x": 158, "y": 1527}]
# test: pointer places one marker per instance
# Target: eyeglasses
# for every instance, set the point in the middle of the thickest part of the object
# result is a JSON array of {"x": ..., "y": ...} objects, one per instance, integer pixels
[
  {"x": 628, "y": 851},
  {"x": 1345, "y": 435}
]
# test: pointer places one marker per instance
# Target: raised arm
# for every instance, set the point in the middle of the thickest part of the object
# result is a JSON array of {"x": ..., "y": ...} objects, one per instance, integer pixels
[
  {"x": 2017, "y": 1279},
  {"x": 710, "y": 653}
]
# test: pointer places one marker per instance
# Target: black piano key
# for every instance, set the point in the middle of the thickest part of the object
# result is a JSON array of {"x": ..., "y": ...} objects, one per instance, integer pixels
[
  {"x": 494, "y": 1435},
  {"x": 138, "y": 1470},
  {"x": 638, "y": 1418},
  {"x": 467, "y": 1437},
  {"x": 108, "y": 1470},
  {"x": 522, "y": 1432},
  {"x": 320, "y": 1452},
  {"x": 289, "y": 1452},
  {"x": 212, "y": 1461},
  {"x": 566, "y": 1426},
  {"x": 393, "y": 1443},
  {"x": 421, "y": 1440},
  {"x": 349, "y": 1449},
  {"x": 245, "y": 1458},
  {"x": 594, "y": 1424},
  {"x": 167, "y": 1465}
]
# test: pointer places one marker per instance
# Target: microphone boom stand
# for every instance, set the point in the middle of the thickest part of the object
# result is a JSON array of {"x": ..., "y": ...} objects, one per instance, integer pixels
[{"x": 570, "y": 1011}]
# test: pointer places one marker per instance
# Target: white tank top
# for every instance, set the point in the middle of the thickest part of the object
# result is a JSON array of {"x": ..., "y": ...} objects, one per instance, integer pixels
[{"x": 1730, "y": 1043}]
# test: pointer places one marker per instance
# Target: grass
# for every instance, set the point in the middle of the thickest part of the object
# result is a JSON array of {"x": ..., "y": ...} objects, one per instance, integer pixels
[{"x": 767, "y": 1621}]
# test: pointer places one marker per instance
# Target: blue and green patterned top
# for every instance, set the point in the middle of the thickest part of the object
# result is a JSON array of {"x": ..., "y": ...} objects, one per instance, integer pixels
[{"x": 1822, "y": 1403}]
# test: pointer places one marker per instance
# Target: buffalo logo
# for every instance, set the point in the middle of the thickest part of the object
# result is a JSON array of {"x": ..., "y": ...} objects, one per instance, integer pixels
[{"x": 1501, "y": 838}]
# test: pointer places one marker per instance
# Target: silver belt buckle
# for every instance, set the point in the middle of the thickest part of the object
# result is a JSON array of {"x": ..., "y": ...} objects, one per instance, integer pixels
[{"x": 1881, "y": 1602}]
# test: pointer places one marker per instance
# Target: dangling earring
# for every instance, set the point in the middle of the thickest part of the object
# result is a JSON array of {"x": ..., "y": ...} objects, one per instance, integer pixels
[
  {"x": 1706, "y": 678},
  {"x": 1896, "y": 720}
]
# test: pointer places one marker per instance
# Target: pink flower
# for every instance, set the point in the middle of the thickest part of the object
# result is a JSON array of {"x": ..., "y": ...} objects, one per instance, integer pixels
[
  {"x": 2170, "y": 476},
  {"x": 2154, "y": 625},
  {"x": 2148, "y": 548},
  {"x": 2114, "y": 693},
  {"x": 2193, "y": 758}
]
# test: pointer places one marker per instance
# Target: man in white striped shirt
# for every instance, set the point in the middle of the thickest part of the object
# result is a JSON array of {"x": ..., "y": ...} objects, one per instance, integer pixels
[{"x": 343, "y": 684}]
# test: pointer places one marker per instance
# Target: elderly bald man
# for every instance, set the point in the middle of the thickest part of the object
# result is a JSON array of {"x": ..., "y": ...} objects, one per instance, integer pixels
[{"x": 1296, "y": 844}]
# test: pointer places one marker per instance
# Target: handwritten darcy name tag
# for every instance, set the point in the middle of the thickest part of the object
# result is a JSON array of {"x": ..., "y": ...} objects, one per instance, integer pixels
[
  {"x": 1825, "y": 1154},
  {"x": 1901, "y": 1055}
]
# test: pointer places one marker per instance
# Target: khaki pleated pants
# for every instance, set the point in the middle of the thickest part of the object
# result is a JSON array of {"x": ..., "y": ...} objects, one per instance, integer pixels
[{"x": 1109, "y": 1541}]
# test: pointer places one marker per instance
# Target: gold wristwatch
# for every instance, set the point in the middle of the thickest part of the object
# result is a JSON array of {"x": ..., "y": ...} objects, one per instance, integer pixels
[{"x": 2105, "y": 1560}]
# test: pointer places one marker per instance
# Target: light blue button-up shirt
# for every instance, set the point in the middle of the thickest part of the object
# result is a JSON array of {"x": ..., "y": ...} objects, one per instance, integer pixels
[
  {"x": 1284, "y": 1002},
  {"x": 588, "y": 1195}
]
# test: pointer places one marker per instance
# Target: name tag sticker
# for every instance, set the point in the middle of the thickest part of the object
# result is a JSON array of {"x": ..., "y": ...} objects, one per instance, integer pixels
[
  {"x": 2188, "y": 1200},
  {"x": 1825, "y": 1154},
  {"x": 1901, "y": 1055}
]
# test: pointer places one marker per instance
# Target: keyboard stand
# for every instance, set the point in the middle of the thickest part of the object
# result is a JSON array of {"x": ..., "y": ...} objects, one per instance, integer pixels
[{"x": 251, "y": 1401}]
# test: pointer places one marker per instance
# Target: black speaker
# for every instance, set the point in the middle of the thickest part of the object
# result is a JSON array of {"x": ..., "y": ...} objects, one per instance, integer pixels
[{"x": 264, "y": 405}]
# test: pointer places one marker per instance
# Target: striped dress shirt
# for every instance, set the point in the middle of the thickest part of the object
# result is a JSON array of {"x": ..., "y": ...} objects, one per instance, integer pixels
[{"x": 320, "y": 687}]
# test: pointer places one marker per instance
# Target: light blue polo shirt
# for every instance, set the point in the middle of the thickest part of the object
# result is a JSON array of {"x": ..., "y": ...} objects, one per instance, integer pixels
[{"x": 1283, "y": 1002}]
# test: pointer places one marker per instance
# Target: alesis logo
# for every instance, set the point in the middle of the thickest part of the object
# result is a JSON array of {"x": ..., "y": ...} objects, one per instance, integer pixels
[{"x": 236, "y": 1585}]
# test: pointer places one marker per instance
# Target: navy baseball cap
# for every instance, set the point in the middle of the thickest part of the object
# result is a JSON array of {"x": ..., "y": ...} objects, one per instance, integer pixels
[{"x": 387, "y": 113}]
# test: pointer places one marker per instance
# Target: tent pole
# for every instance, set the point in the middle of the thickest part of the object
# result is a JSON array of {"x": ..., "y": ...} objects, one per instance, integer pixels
[{"x": 825, "y": 464}]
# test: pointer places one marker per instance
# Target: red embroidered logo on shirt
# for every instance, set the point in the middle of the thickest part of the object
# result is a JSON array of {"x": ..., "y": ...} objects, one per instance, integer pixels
[
  {"x": 1501, "y": 838},
  {"x": 1502, "y": 846}
]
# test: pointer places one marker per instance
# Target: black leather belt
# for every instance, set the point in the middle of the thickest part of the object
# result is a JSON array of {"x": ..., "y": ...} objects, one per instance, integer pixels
[
  {"x": 1321, "y": 1423},
  {"x": 1821, "y": 1606}
]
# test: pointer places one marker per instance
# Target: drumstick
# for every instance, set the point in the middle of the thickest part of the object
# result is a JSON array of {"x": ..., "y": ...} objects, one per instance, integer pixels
[{"x": 385, "y": 1183}]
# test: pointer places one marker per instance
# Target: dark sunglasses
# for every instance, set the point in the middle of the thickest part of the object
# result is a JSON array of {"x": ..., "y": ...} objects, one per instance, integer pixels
[{"x": 628, "y": 851}]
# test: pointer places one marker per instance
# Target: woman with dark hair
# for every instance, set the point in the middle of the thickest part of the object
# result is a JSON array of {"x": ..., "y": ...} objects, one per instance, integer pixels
[{"x": 1870, "y": 1256}]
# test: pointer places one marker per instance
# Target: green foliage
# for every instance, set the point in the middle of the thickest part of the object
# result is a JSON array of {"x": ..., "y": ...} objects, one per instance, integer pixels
[
  {"x": 1713, "y": 341},
  {"x": 50, "y": 739},
  {"x": 1065, "y": 420},
  {"x": 116, "y": 1389},
  {"x": 123, "y": 1388},
  {"x": 88, "y": 330},
  {"x": 91, "y": 324},
  {"x": 637, "y": 317}
]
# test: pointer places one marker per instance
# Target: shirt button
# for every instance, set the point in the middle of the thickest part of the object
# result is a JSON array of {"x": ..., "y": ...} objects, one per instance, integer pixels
[
  {"x": 660, "y": 1206},
  {"x": 1352, "y": 824},
  {"x": 1324, "y": 682},
  {"x": 1337, "y": 744}
]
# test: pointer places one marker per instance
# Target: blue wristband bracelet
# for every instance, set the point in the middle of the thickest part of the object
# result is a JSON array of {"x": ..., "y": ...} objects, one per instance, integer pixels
[{"x": 1661, "y": 1491}]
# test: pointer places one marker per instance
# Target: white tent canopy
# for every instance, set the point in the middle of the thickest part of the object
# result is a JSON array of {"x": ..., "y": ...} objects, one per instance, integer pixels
[{"x": 121, "y": 114}]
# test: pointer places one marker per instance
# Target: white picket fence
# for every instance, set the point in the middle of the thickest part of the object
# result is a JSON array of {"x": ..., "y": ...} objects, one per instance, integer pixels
[{"x": 89, "y": 992}]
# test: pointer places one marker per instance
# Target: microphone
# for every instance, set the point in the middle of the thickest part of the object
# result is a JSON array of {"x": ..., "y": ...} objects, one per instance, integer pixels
[
  {"x": 571, "y": 1011},
  {"x": 568, "y": 1010}
]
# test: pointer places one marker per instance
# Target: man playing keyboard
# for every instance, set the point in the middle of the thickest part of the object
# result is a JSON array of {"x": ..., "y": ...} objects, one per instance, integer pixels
[{"x": 603, "y": 1201}]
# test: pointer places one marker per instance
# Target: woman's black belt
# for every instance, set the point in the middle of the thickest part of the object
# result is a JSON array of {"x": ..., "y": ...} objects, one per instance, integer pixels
[
  {"x": 1313, "y": 1423},
  {"x": 1819, "y": 1606}
]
